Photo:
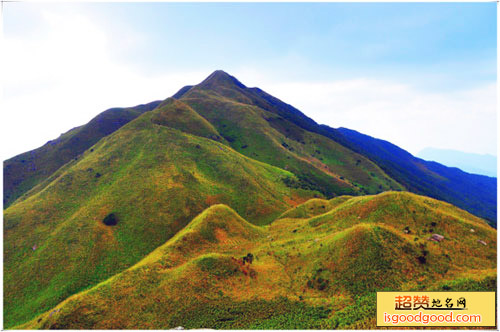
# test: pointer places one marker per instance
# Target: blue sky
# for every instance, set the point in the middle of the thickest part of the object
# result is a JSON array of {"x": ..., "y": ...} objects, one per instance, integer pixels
[{"x": 416, "y": 74}]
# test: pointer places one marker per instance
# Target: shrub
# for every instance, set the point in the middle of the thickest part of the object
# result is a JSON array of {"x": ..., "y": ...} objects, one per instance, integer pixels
[
  {"x": 320, "y": 280},
  {"x": 248, "y": 258},
  {"x": 422, "y": 259},
  {"x": 110, "y": 220},
  {"x": 304, "y": 182}
]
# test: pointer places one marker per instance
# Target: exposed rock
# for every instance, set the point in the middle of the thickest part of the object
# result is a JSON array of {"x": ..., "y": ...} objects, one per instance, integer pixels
[{"x": 436, "y": 238}]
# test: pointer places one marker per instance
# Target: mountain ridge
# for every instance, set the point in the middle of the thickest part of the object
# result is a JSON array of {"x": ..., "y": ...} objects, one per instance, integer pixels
[
  {"x": 367, "y": 249},
  {"x": 475, "y": 193},
  {"x": 219, "y": 142},
  {"x": 24, "y": 171}
]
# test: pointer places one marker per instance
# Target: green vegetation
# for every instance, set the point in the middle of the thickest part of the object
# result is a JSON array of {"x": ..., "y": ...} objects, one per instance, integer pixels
[
  {"x": 156, "y": 179},
  {"x": 218, "y": 266},
  {"x": 303, "y": 274},
  {"x": 175, "y": 114},
  {"x": 254, "y": 126},
  {"x": 314, "y": 207},
  {"x": 474, "y": 193},
  {"x": 23, "y": 172},
  {"x": 221, "y": 208}
]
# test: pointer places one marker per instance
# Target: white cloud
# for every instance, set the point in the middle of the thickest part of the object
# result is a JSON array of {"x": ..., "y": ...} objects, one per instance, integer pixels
[
  {"x": 65, "y": 77},
  {"x": 399, "y": 113}
]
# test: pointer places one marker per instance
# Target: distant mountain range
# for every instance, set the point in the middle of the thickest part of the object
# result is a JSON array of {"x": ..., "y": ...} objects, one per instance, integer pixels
[
  {"x": 483, "y": 164},
  {"x": 474, "y": 193},
  {"x": 224, "y": 207}
]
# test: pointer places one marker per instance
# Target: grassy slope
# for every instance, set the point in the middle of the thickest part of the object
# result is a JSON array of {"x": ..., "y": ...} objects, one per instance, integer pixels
[
  {"x": 23, "y": 172},
  {"x": 320, "y": 271},
  {"x": 159, "y": 171},
  {"x": 176, "y": 114},
  {"x": 155, "y": 179},
  {"x": 287, "y": 140},
  {"x": 474, "y": 193},
  {"x": 314, "y": 207},
  {"x": 264, "y": 135}
]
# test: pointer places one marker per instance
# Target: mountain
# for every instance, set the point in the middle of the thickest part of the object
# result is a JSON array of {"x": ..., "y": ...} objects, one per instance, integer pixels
[
  {"x": 288, "y": 127},
  {"x": 154, "y": 179},
  {"x": 266, "y": 129},
  {"x": 474, "y": 193},
  {"x": 23, "y": 172},
  {"x": 154, "y": 174},
  {"x": 174, "y": 193},
  {"x": 316, "y": 271},
  {"x": 483, "y": 164}
]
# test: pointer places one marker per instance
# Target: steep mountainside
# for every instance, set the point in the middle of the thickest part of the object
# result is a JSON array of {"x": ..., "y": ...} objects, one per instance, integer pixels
[
  {"x": 259, "y": 126},
  {"x": 23, "y": 172},
  {"x": 474, "y": 193},
  {"x": 317, "y": 271},
  {"x": 288, "y": 125},
  {"x": 154, "y": 179}
]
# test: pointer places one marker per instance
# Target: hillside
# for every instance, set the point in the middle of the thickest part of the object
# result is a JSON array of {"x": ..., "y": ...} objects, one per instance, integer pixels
[
  {"x": 153, "y": 179},
  {"x": 153, "y": 175},
  {"x": 23, "y": 172},
  {"x": 161, "y": 195},
  {"x": 259, "y": 127},
  {"x": 318, "y": 271},
  {"x": 286, "y": 138},
  {"x": 474, "y": 193}
]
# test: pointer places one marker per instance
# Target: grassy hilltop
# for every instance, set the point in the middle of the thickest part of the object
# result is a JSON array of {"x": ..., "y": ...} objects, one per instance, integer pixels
[{"x": 314, "y": 271}]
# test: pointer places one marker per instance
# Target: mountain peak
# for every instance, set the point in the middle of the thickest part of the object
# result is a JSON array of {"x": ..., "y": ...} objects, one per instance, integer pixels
[
  {"x": 221, "y": 78},
  {"x": 220, "y": 72}
]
